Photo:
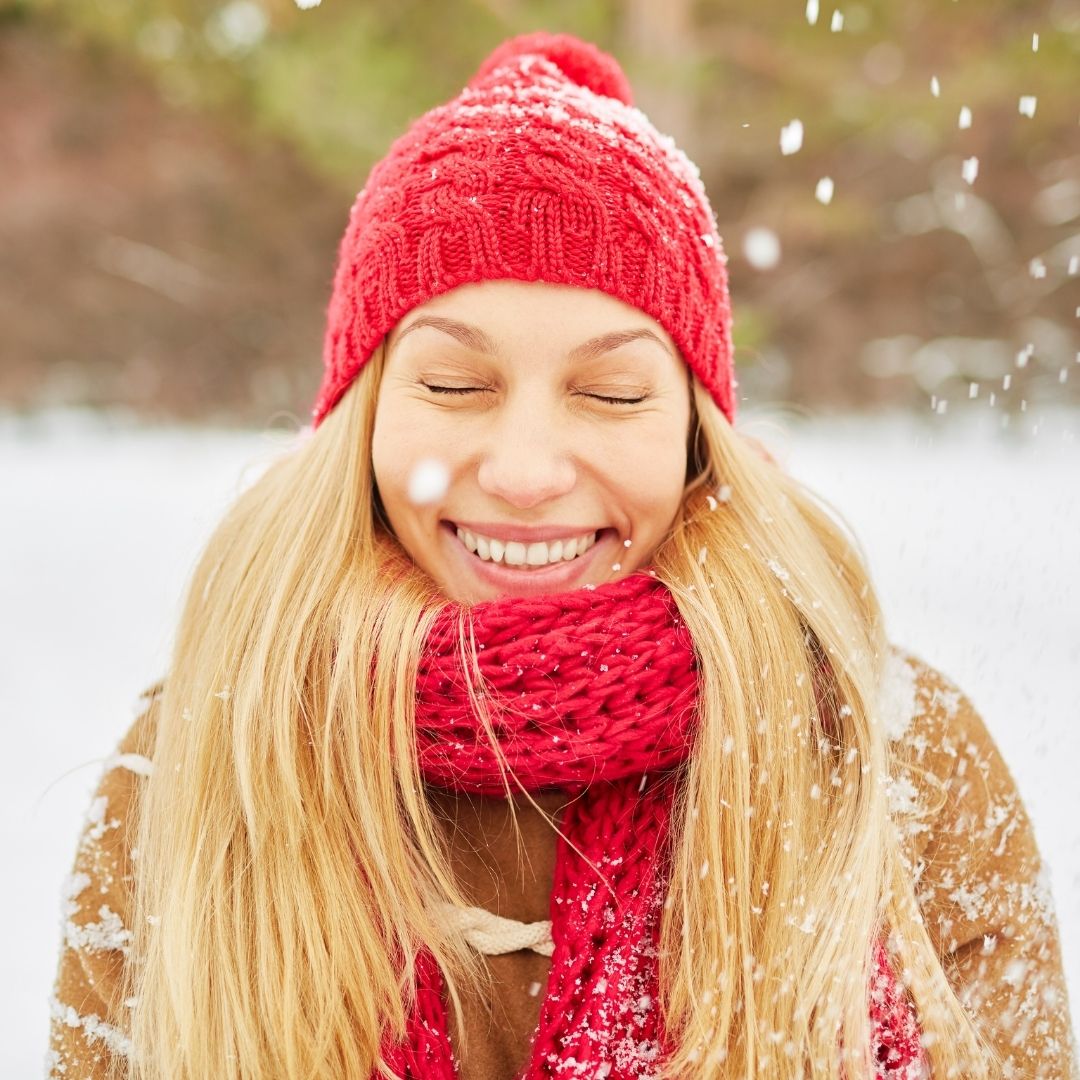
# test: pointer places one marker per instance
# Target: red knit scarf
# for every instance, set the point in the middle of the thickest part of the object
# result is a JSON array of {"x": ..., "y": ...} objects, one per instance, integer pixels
[{"x": 596, "y": 692}]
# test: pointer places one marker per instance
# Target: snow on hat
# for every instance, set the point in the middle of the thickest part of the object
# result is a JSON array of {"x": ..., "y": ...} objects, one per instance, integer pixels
[{"x": 540, "y": 169}]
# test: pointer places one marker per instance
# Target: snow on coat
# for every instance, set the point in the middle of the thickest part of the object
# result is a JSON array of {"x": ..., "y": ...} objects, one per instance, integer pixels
[{"x": 981, "y": 885}]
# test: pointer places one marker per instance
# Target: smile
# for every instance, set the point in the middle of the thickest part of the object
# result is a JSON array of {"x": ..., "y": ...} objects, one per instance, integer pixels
[
  {"x": 572, "y": 566},
  {"x": 522, "y": 555}
]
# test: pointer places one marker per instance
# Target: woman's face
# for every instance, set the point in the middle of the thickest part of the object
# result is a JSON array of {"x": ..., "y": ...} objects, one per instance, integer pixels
[{"x": 531, "y": 451}]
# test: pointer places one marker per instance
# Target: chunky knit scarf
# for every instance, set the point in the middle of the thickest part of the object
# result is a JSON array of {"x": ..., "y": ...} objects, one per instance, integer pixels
[{"x": 596, "y": 691}]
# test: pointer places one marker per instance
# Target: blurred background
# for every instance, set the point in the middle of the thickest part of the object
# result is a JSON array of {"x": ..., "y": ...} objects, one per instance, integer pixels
[
  {"x": 177, "y": 174},
  {"x": 898, "y": 189}
]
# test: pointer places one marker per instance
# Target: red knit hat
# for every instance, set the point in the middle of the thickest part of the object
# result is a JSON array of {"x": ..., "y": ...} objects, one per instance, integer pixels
[{"x": 539, "y": 170}]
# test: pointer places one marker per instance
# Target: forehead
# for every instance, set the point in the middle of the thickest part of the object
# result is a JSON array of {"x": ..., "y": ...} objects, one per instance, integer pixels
[{"x": 502, "y": 317}]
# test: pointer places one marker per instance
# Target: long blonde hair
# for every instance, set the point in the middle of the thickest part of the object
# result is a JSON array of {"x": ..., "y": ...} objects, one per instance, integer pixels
[{"x": 289, "y": 865}]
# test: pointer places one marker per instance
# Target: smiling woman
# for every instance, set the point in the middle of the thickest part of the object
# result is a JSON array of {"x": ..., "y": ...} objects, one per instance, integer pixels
[
  {"x": 570, "y": 418},
  {"x": 595, "y": 762}
]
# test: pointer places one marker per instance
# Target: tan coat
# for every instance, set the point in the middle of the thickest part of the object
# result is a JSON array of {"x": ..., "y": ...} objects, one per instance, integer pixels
[{"x": 979, "y": 877}]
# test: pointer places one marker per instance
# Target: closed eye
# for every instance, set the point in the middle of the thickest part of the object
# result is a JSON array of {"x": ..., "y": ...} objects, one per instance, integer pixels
[
  {"x": 454, "y": 389},
  {"x": 480, "y": 389}
]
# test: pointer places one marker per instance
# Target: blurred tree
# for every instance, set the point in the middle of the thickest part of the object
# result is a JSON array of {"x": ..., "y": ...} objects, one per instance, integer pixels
[{"x": 939, "y": 262}]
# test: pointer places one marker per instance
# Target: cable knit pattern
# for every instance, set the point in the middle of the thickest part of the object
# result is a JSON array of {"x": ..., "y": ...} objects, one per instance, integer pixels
[
  {"x": 981, "y": 885},
  {"x": 539, "y": 170},
  {"x": 596, "y": 694},
  {"x": 584, "y": 693}
]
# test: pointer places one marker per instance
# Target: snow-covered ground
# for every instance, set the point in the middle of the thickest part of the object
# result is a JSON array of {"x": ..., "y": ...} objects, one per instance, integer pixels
[{"x": 974, "y": 541}]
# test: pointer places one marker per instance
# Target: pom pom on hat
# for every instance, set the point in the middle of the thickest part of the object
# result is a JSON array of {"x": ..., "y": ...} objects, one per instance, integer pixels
[{"x": 580, "y": 61}]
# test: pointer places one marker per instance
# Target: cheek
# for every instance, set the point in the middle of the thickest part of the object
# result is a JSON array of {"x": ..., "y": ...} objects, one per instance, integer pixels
[
  {"x": 401, "y": 439},
  {"x": 393, "y": 447},
  {"x": 654, "y": 463},
  {"x": 405, "y": 431},
  {"x": 647, "y": 485}
]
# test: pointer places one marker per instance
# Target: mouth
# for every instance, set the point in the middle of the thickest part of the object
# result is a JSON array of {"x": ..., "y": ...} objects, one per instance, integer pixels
[{"x": 523, "y": 580}]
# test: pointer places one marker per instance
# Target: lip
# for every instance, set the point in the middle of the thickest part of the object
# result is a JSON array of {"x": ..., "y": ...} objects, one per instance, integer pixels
[
  {"x": 528, "y": 534},
  {"x": 558, "y": 577}
]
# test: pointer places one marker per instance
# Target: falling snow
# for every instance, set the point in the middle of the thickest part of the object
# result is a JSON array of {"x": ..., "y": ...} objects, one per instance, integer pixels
[
  {"x": 761, "y": 246},
  {"x": 791, "y": 137},
  {"x": 835, "y": 461},
  {"x": 428, "y": 482}
]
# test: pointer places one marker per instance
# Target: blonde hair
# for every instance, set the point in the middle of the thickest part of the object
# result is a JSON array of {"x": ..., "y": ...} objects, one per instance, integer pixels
[{"x": 288, "y": 863}]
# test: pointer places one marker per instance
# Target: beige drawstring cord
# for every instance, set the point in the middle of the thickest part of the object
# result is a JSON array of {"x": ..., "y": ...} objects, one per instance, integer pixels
[{"x": 493, "y": 935}]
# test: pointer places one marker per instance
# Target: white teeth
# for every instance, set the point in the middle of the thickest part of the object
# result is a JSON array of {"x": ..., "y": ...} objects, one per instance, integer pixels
[
  {"x": 515, "y": 553},
  {"x": 536, "y": 554}
]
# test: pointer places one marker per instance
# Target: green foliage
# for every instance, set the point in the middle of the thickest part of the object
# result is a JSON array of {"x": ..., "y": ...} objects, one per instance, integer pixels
[
  {"x": 343, "y": 79},
  {"x": 749, "y": 332}
]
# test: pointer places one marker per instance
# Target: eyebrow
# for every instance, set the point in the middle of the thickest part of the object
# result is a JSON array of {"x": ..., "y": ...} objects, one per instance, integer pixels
[{"x": 474, "y": 338}]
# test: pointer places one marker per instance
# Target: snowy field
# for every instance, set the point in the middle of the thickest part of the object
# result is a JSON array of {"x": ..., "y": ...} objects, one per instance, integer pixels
[{"x": 973, "y": 538}]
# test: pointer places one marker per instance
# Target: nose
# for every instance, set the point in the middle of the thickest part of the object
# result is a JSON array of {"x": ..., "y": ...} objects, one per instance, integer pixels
[{"x": 526, "y": 458}]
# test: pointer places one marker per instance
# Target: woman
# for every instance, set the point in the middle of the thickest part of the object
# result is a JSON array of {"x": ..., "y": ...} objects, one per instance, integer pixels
[{"x": 526, "y": 575}]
